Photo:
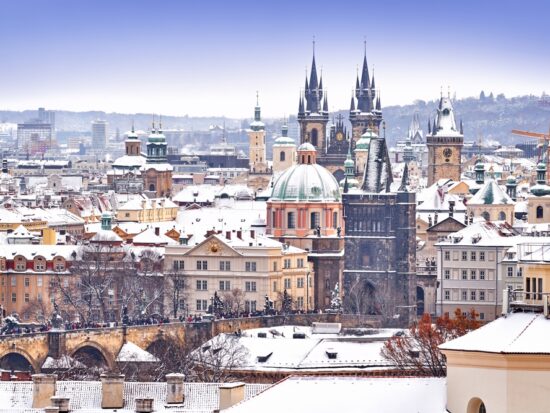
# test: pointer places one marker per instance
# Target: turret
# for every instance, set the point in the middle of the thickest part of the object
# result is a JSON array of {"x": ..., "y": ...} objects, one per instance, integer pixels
[{"x": 479, "y": 171}]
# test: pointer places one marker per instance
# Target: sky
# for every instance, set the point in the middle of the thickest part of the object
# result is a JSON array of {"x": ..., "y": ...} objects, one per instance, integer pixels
[{"x": 208, "y": 58}]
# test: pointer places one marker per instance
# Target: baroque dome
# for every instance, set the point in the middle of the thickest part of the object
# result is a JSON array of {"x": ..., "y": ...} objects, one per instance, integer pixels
[{"x": 306, "y": 182}]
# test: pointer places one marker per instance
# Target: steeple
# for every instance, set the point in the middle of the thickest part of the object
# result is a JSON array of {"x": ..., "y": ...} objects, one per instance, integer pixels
[
  {"x": 257, "y": 109},
  {"x": 461, "y": 128},
  {"x": 429, "y": 127},
  {"x": 352, "y": 105},
  {"x": 300, "y": 106},
  {"x": 404, "y": 179},
  {"x": 325, "y": 104},
  {"x": 479, "y": 171}
]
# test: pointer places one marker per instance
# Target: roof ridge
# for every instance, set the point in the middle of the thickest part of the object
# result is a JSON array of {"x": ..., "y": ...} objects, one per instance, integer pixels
[{"x": 522, "y": 331}]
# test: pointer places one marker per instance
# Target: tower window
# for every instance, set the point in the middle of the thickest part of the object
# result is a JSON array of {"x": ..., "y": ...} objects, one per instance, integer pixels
[
  {"x": 282, "y": 156},
  {"x": 540, "y": 212},
  {"x": 314, "y": 137},
  {"x": 291, "y": 220}
]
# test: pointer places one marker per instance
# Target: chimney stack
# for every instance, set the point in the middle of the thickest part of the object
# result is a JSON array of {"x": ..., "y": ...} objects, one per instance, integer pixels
[
  {"x": 144, "y": 405},
  {"x": 174, "y": 388},
  {"x": 43, "y": 388},
  {"x": 231, "y": 394},
  {"x": 61, "y": 402},
  {"x": 112, "y": 391}
]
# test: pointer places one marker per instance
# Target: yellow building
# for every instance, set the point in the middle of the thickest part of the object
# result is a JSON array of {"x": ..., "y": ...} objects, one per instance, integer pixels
[
  {"x": 256, "y": 140},
  {"x": 147, "y": 210},
  {"x": 492, "y": 203},
  {"x": 243, "y": 269}
]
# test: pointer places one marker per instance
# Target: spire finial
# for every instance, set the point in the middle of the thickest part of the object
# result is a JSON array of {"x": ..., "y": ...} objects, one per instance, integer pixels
[
  {"x": 153, "y": 129},
  {"x": 365, "y": 45},
  {"x": 160, "y": 122},
  {"x": 257, "y": 99},
  {"x": 133, "y": 129},
  {"x": 449, "y": 91},
  {"x": 441, "y": 92},
  {"x": 313, "y": 45}
]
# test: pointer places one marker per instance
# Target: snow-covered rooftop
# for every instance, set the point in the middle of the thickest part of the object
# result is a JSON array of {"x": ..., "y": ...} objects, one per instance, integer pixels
[{"x": 131, "y": 353}]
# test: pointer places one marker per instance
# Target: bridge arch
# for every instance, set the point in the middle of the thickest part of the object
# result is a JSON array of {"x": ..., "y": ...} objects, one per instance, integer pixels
[
  {"x": 91, "y": 350},
  {"x": 18, "y": 359}
]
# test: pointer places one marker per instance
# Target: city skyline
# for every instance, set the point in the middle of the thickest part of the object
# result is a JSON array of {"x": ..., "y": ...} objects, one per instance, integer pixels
[{"x": 210, "y": 59}]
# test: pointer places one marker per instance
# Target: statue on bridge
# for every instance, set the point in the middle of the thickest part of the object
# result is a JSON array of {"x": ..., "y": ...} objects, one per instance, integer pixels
[
  {"x": 56, "y": 320},
  {"x": 335, "y": 301}
]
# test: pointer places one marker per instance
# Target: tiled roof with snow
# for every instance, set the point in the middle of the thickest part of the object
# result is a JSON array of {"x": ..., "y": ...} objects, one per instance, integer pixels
[{"x": 490, "y": 194}]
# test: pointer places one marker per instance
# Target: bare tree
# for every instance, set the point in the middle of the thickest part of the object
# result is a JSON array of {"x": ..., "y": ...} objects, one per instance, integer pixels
[
  {"x": 220, "y": 359},
  {"x": 359, "y": 298},
  {"x": 35, "y": 310},
  {"x": 233, "y": 301},
  {"x": 175, "y": 290}
]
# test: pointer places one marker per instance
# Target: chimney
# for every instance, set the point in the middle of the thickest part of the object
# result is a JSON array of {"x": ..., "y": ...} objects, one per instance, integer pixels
[
  {"x": 43, "y": 388},
  {"x": 231, "y": 394},
  {"x": 451, "y": 208},
  {"x": 144, "y": 405},
  {"x": 252, "y": 233},
  {"x": 112, "y": 389},
  {"x": 174, "y": 388},
  {"x": 228, "y": 234},
  {"x": 61, "y": 402}
]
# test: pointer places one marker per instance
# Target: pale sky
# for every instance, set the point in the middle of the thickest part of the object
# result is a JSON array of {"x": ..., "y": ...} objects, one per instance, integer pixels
[{"x": 207, "y": 58}]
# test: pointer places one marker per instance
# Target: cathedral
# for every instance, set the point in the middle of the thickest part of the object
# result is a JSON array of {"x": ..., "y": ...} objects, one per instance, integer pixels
[{"x": 379, "y": 231}]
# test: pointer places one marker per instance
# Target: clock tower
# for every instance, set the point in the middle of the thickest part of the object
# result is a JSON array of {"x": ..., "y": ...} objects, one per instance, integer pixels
[{"x": 445, "y": 142}]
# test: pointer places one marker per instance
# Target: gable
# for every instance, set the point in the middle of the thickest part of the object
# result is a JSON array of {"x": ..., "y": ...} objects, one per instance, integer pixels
[
  {"x": 215, "y": 247},
  {"x": 449, "y": 224}
]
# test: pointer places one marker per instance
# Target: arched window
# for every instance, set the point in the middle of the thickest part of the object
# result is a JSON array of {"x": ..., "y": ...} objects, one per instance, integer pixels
[
  {"x": 314, "y": 221},
  {"x": 40, "y": 264},
  {"x": 282, "y": 156},
  {"x": 540, "y": 212},
  {"x": 476, "y": 405},
  {"x": 502, "y": 216},
  {"x": 314, "y": 137},
  {"x": 152, "y": 187},
  {"x": 486, "y": 216},
  {"x": 309, "y": 159}
]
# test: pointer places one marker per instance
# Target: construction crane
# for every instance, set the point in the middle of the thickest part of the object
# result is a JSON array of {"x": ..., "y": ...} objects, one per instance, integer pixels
[{"x": 544, "y": 153}]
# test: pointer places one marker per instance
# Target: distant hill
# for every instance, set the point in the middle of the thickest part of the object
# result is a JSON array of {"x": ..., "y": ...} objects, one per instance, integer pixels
[{"x": 488, "y": 117}]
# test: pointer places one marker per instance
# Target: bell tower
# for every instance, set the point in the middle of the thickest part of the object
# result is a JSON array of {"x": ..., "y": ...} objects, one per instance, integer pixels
[
  {"x": 313, "y": 111},
  {"x": 445, "y": 142}
]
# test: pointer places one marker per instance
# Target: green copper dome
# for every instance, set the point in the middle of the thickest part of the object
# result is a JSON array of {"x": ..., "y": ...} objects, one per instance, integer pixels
[{"x": 306, "y": 182}]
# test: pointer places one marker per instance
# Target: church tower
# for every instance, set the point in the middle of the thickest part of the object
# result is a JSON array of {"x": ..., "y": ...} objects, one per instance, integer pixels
[
  {"x": 157, "y": 172},
  {"x": 445, "y": 142},
  {"x": 313, "y": 111},
  {"x": 284, "y": 151},
  {"x": 256, "y": 141},
  {"x": 367, "y": 112},
  {"x": 132, "y": 143}
]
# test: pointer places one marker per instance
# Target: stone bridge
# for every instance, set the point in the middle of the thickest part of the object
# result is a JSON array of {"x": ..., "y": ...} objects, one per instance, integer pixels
[{"x": 28, "y": 352}]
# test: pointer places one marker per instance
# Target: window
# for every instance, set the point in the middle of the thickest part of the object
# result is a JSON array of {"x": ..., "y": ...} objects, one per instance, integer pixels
[
  {"x": 473, "y": 255},
  {"x": 300, "y": 263},
  {"x": 481, "y": 274},
  {"x": 202, "y": 265},
  {"x": 314, "y": 220},
  {"x": 274, "y": 265},
  {"x": 510, "y": 271},
  {"x": 464, "y": 255},
  {"x": 202, "y": 305},
  {"x": 464, "y": 274},
  {"x": 300, "y": 303},
  {"x": 472, "y": 295},
  {"x": 179, "y": 265},
  {"x": 482, "y": 316},
  {"x": 502, "y": 216},
  {"x": 286, "y": 263},
  {"x": 202, "y": 285},
  {"x": 225, "y": 265},
  {"x": 482, "y": 296},
  {"x": 181, "y": 304},
  {"x": 447, "y": 274},
  {"x": 520, "y": 272},
  {"x": 540, "y": 212},
  {"x": 282, "y": 156},
  {"x": 300, "y": 282},
  {"x": 250, "y": 286},
  {"x": 464, "y": 295},
  {"x": 27, "y": 282},
  {"x": 291, "y": 220},
  {"x": 447, "y": 295},
  {"x": 482, "y": 255},
  {"x": 20, "y": 264},
  {"x": 27, "y": 297},
  {"x": 250, "y": 266},
  {"x": 287, "y": 283},
  {"x": 447, "y": 255},
  {"x": 39, "y": 281},
  {"x": 39, "y": 264},
  {"x": 39, "y": 297},
  {"x": 473, "y": 275},
  {"x": 59, "y": 264},
  {"x": 335, "y": 220},
  {"x": 274, "y": 286},
  {"x": 13, "y": 281},
  {"x": 13, "y": 297},
  {"x": 225, "y": 285},
  {"x": 250, "y": 306}
]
